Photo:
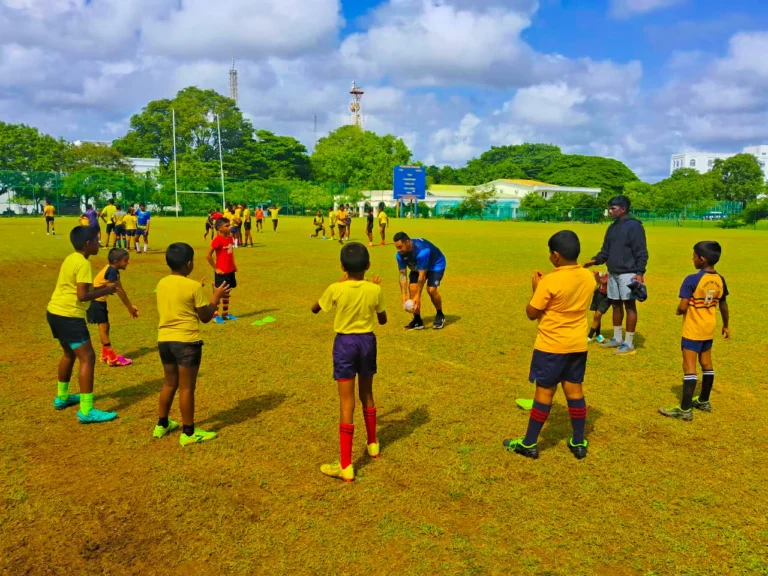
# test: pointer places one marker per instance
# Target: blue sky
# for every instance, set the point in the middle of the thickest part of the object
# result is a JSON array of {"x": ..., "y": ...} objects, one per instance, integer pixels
[{"x": 636, "y": 80}]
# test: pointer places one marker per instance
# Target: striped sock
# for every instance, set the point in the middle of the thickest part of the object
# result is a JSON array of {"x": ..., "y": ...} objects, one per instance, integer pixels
[
  {"x": 346, "y": 434},
  {"x": 578, "y": 412},
  {"x": 539, "y": 415},
  {"x": 369, "y": 415},
  {"x": 707, "y": 381},
  {"x": 63, "y": 390},
  {"x": 689, "y": 387},
  {"x": 224, "y": 307},
  {"x": 86, "y": 403}
]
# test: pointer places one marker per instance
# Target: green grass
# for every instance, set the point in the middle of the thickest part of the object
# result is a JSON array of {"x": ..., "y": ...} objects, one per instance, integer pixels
[{"x": 654, "y": 496}]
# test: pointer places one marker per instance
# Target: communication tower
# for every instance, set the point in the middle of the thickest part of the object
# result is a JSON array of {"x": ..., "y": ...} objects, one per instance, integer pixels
[
  {"x": 354, "y": 107},
  {"x": 233, "y": 82}
]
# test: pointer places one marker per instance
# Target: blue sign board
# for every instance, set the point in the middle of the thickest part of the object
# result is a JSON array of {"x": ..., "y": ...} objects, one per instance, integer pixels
[{"x": 410, "y": 182}]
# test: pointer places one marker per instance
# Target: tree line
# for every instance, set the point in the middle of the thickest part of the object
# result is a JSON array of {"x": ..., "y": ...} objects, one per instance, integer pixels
[{"x": 262, "y": 166}]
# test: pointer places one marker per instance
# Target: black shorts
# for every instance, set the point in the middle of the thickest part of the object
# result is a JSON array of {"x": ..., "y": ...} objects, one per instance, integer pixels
[
  {"x": 208, "y": 227},
  {"x": 219, "y": 279},
  {"x": 259, "y": 220},
  {"x": 142, "y": 232},
  {"x": 131, "y": 232},
  {"x": 354, "y": 354},
  {"x": 119, "y": 230},
  {"x": 370, "y": 228},
  {"x": 68, "y": 330},
  {"x": 600, "y": 303},
  {"x": 185, "y": 354},
  {"x": 98, "y": 313},
  {"x": 49, "y": 218},
  {"x": 548, "y": 369},
  {"x": 110, "y": 228},
  {"x": 247, "y": 225},
  {"x": 235, "y": 229},
  {"x": 434, "y": 277}
]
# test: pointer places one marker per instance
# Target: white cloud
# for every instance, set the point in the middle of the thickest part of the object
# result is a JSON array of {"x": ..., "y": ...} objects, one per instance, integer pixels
[
  {"x": 626, "y": 8},
  {"x": 548, "y": 105}
]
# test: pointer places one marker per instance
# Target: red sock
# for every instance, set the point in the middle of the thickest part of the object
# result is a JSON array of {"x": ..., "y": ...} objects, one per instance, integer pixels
[
  {"x": 369, "y": 415},
  {"x": 346, "y": 433},
  {"x": 108, "y": 352}
]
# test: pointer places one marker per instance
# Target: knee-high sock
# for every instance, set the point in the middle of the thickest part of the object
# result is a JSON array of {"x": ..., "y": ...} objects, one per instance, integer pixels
[
  {"x": 369, "y": 415},
  {"x": 346, "y": 435},
  {"x": 578, "y": 412},
  {"x": 707, "y": 381},
  {"x": 539, "y": 415}
]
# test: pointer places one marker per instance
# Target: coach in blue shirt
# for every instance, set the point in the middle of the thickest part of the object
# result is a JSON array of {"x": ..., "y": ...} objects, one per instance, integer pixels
[{"x": 420, "y": 262}]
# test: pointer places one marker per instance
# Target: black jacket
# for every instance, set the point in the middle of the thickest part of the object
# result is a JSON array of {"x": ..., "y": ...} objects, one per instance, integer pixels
[{"x": 624, "y": 248}]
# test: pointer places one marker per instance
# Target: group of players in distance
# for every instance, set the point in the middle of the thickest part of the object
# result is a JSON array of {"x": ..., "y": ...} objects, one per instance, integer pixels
[
  {"x": 559, "y": 304},
  {"x": 342, "y": 217},
  {"x": 240, "y": 220}
]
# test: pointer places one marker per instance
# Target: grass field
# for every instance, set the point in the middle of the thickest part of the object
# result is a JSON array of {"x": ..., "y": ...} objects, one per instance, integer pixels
[{"x": 655, "y": 496}]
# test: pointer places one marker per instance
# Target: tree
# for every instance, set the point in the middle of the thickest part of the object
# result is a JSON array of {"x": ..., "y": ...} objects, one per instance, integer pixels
[
  {"x": 476, "y": 202},
  {"x": 740, "y": 179},
  {"x": 151, "y": 131},
  {"x": 524, "y": 161},
  {"x": 269, "y": 156},
  {"x": 93, "y": 185},
  {"x": 24, "y": 148},
  {"x": 358, "y": 159},
  {"x": 640, "y": 194},
  {"x": 686, "y": 188},
  {"x": 90, "y": 154},
  {"x": 589, "y": 172}
]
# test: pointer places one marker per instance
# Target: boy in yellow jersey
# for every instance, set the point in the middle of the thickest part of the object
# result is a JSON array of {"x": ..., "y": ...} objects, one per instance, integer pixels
[
  {"x": 182, "y": 305},
  {"x": 83, "y": 220},
  {"x": 383, "y": 223},
  {"x": 131, "y": 224},
  {"x": 274, "y": 213},
  {"x": 247, "y": 223},
  {"x": 119, "y": 219},
  {"x": 106, "y": 215},
  {"x": 66, "y": 315},
  {"x": 341, "y": 220},
  {"x": 332, "y": 222},
  {"x": 48, "y": 212},
  {"x": 318, "y": 223},
  {"x": 237, "y": 222},
  {"x": 358, "y": 304},
  {"x": 700, "y": 295},
  {"x": 560, "y": 303},
  {"x": 98, "y": 313}
]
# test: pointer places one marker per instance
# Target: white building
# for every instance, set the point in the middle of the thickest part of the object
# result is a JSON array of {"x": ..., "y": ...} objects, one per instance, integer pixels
[
  {"x": 140, "y": 165},
  {"x": 704, "y": 161}
]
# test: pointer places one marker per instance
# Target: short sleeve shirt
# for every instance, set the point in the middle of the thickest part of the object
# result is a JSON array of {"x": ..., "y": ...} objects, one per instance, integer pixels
[
  {"x": 130, "y": 222},
  {"x": 49, "y": 210},
  {"x": 107, "y": 275},
  {"x": 356, "y": 303},
  {"x": 332, "y": 217},
  {"x": 224, "y": 246},
  {"x": 383, "y": 218},
  {"x": 142, "y": 218},
  {"x": 118, "y": 217},
  {"x": 704, "y": 292},
  {"x": 274, "y": 213},
  {"x": 108, "y": 212},
  {"x": 564, "y": 297},
  {"x": 319, "y": 220},
  {"x": 178, "y": 299},
  {"x": 93, "y": 217},
  {"x": 76, "y": 269},
  {"x": 423, "y": 256}
]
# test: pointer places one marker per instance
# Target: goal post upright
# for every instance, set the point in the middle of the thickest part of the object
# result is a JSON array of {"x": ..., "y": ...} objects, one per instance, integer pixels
[
  {"x": 175, "y": 172},
  {"x": 221, "y": 165}
]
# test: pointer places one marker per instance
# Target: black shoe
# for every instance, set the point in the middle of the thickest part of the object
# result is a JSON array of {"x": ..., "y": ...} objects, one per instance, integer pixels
[
  {"x": 516, "y": 445},
  {"x": 578, "y": 450},
  {"x": 439, "y": 322},
  {"x": 415, "y": 325}
]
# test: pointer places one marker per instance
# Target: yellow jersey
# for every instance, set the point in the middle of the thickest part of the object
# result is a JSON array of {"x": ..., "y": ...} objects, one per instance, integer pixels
[
  {"x": 332, "y": 217},
  {"x": 108, "y": 275},
  {"x": 76, "y": 269},
  {"x": 130, "y": 221},
  {"x": 49, "y": 211},
  {"x": 356, "y": 303},
  {"x": 118, "y": 217},
  {"x": 704, "y": 292},
  {"x": 109, "y": 211},
  {"x": 383, "y": 218},
  {"x": 246, "y": 215},
  {"x": 178, "y": 299},
  {"x": 274, "y": 213},
  {"x": 341, "y": 217},
  {"x": 237, "y": 215},
  {"x": 564, "y": 297},
  {"x": 318, "y": 221}
]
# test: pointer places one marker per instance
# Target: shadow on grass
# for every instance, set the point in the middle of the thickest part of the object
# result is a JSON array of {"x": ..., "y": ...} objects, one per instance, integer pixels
[
  {"x": 258, "y": 312},
  {"x": 449, "y": 319},
  {"x": 245, "y": 410},
  {"x": 141, "y": 352},
  {"x": 558, "y": 426},
  {"x": 390, "y": 431},
  {"x": 129, "y": 396}
]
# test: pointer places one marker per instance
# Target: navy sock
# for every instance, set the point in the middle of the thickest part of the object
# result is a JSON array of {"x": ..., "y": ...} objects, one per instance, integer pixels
[
  {"x": 539, "y": 414},
  {"x": 707, "y": 381},
  {"x": 188, "y": 430},
  {"x": 689, "y": 387},
  {"x": 578, "y": 412},
  {"x": 417, "y": 317},
  {"x": 163, "y": 422}
]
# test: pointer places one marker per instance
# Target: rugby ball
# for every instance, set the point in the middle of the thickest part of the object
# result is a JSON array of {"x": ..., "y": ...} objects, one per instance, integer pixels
[{"x": 408, "y": 305}]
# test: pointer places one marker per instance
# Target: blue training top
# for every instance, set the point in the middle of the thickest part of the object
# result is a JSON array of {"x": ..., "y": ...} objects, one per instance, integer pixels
[
  {"x": 142, "y": 217},
  {"x": 424, "y": 256}
]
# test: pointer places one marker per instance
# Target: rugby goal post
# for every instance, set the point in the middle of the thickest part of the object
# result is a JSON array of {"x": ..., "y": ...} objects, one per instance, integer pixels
[{"x": 175, "y": 170}]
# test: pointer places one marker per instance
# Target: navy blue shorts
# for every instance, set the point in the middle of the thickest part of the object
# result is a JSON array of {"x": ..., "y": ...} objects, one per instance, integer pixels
[
  {"x": 354, "y": 354},
  {"x": 697, "y": 346},
  {"x": 548, "y": 369},
  {"x": 434, "y": 277},
  {"x": 219, "y": 279}
]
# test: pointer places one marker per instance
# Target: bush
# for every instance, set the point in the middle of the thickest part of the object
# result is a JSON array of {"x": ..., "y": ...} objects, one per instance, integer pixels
[{"x": 731, "y": 222}]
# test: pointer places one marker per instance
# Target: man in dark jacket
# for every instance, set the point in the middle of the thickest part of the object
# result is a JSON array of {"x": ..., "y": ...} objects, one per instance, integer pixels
[{"x": 626, "y": 255}]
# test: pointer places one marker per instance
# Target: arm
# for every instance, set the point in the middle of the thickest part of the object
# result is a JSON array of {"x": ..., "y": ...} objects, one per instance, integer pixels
[
  {"x": 404, "y": 284},
  {"x": 132, "y": 310},
  {"x": 103, "y": 217},
  {"x": 726, "y": 319},
  {"x": 417, "y": 298},
  {"x": 602, "y": 256},
  {"x": 209, "y": 258},
  {"x": 149, "y": 220},
  {"x": 206, "y": 313},
  {"x": 85, "y": 294},
  {"x": 640, "y": 251},
  {"x": 532, "y": 313},
  {"x": 381, "y": 317},
  {"x": 682, "y": 308},
  {"x": 316, "y": 308}
]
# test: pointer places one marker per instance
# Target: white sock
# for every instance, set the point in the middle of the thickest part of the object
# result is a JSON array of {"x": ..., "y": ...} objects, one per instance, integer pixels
[
  {"x": 617, "y": 334},
  {"x": 145, "y": 248},
  {"x": 629, "y": 338},
  {"x": 235, "y": 243}
]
